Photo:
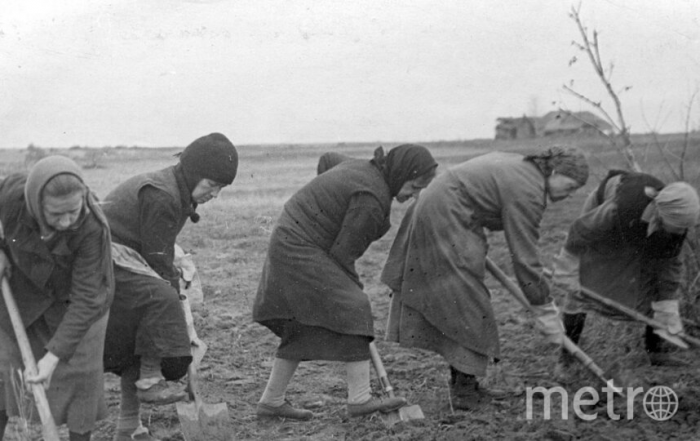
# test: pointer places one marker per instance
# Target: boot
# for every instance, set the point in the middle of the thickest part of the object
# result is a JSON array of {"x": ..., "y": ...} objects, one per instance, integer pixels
[
  {"x": 573, "y": 325},
  {"x": 656, "y": 353},
  {"x": 464, "y": 391},
  {"x": 563, "y": 370}
]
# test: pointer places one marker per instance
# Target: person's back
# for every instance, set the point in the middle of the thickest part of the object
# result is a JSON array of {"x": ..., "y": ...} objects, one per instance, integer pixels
[{"x": 319, "y": 207}]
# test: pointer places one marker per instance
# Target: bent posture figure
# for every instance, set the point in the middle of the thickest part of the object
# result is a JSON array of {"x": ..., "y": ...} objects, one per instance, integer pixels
[
  {"x": 625, "y": 245},
  {"x": 436, "y": 266},
  {"x": 55, "y": 250},
  {"x": 147, "y": 341},
  {"x": 310, "y": 294}
]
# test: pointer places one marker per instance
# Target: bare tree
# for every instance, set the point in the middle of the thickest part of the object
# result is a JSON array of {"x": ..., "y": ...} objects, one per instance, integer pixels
[{"x": 589, "y": 45}]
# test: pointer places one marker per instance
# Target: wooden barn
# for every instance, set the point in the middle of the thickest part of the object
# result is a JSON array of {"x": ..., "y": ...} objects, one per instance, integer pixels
[{"x": 515, "y": 128}]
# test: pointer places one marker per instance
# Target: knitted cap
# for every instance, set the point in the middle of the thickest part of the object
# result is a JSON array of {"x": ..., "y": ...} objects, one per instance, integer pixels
[
  {"x": 567, "y": 161},
  {"x": 210, "y": 157}
]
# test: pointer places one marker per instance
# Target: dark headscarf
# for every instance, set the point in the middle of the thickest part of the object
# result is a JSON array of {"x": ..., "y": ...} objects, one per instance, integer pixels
[
  {"x": 567, "y": 161},
  {"x": 210, "y": 157},
  {"x": 402, "y": 164}
]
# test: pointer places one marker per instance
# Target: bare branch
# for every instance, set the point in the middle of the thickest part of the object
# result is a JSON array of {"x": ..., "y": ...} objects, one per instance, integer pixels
[
  {"x": 686, "y": 140},
  {"x": 595, "y": 104},
  {"x": 591, "y": 47}
]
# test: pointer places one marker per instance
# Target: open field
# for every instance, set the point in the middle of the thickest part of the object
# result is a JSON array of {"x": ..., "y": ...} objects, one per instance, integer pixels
[{"x": 229, "y": 245}]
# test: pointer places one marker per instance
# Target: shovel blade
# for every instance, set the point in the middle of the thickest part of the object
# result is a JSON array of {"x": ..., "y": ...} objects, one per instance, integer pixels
[
  {"x": 208, "y": 423},
  {"x": 414, "y": 412},
  {"x": 405, "y": 414}
]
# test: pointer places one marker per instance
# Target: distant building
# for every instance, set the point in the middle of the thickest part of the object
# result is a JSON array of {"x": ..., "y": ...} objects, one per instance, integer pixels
[
  {"x": 515, "y": 128},
  {"x": 555, "y": 123}
]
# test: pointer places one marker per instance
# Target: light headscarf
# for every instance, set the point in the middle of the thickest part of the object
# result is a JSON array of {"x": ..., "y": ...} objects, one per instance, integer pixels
[
  {"x": 677, "y": 205},
  {"x": 40, "y": 174}
]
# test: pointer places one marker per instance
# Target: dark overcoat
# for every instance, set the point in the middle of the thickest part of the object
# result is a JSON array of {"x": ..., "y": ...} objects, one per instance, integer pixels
[
  {"x": 63, "y": 289},
  {"x": 309, "y": 274}
]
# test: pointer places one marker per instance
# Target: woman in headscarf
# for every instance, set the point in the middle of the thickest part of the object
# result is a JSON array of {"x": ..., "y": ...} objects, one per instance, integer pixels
[
  {"x": 147, "y": 342},
  {"x": 625, "y": 245},
  {"x": 55, "y": 252},
  {"x": 436, "y": 266},
  {"x": 310, "y": 294}
]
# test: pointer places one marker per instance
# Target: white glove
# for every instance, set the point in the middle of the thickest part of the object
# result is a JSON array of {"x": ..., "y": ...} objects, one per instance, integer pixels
[
  {"x": 566, "y": 272},
  {"x": 666, "y": 312},
  {"x": 548, "y": 322},
  {"x": 184, "y": 263}
]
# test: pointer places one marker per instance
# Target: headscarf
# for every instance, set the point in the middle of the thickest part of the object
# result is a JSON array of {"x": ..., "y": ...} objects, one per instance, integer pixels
[
  {"x": 210, "y": 157},
  {"x": 402, "y": 164},
  {"x": 40, "y": 174},
  {"x": 678, "y": 205},
  {"x": 567, "y": 161}
]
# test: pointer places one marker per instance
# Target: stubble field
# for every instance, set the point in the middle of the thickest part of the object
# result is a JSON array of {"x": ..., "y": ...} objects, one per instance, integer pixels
[{"x": 229, "y": 245}]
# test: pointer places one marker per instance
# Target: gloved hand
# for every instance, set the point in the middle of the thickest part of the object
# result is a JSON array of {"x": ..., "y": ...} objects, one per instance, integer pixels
[
  {"x": 666, "y": 312},
  {"x": 184, "y": 263},
  {"x": 566, "y": 272},
  {"x": 548, "y": 322}
]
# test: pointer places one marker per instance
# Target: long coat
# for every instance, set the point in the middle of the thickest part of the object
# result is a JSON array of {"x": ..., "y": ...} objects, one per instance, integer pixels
[
  {"x": 612, "y": 264},
  {"x": 63, "y": 289},
  {"x": 438, "y": 259},
  {"x": 309, "y": 274}
]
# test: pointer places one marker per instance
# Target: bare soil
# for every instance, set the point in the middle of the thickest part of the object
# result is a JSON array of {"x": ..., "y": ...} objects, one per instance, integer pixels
[{"x": 229, "y": 246}]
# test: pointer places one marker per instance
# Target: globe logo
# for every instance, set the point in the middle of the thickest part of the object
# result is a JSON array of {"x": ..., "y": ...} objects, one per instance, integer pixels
[{"x": 660, "y": 403}]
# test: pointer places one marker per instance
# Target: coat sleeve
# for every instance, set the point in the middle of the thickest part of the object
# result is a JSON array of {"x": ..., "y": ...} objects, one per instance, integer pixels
[
  {"x": 595, "y": 223},
  {"x": 92, "y": 290},
  {"x": 159, "y": 221},
  {"x": 363, "y": 223},
  {"x": 668, "y": 276},
  {"x": 521, "y": 217}
]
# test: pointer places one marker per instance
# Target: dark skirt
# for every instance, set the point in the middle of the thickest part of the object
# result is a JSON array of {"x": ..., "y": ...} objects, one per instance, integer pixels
[
  {"x": 76, "y": 396},
  {"x": 304, "y": 342},
  {"x": 146, "y": 318}
]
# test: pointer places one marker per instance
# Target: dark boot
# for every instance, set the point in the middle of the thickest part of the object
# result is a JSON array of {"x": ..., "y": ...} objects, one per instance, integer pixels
[
  {"x": 464, "y": 391},
  {"x": 573, "y": 325},
  {"x": 655, "y": 350}
]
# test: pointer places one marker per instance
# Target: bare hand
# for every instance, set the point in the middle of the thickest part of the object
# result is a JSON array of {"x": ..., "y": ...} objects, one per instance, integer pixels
[{"x": 46, "y": 366}]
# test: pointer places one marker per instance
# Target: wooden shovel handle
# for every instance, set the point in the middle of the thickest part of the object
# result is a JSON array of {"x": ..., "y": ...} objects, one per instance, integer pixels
[
  {"x": 381, "y": 372},
  {"x": 192, "y": 368},
  {"x": 48, "y": 425},
  {"x": 638, "y": 316},
  {"x": 567, "y": 343}
]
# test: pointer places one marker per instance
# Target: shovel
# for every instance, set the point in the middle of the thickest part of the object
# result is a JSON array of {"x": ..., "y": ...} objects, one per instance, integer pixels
[
  {"x": 405, "y": 413},
  {"x": 199, "y": 421},
  {"x": 569, "y": 345},
  {"x": 48, "y": 425},
  {"x": 681, "y": 339}
]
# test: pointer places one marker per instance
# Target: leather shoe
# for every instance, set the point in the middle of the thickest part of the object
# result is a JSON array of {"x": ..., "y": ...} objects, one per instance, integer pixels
[
  {"x": 160, "y": 394},
  {"x": 286, "y": 410},
  {"x": 384, "y": 405}
]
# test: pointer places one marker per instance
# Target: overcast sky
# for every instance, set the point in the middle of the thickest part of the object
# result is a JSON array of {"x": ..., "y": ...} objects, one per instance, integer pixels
[{"x": 164, "y": 72}]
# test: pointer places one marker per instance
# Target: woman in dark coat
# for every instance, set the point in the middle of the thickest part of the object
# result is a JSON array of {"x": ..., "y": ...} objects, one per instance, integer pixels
[
  {"x": 626, "y": 246},
  {"x": 310, "y": 294},
  {"x": 55, "y": 250},
  {"x": 436, "y": 266},
  {"x": 147, "y": 341}
]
